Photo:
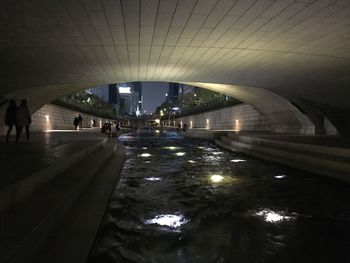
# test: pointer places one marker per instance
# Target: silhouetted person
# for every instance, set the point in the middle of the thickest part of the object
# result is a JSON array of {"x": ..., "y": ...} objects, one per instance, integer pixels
[
  {"x": 76, "y": 122},
  {"x": 23, "y": 119},
  {"x": 80, "y": 122},
  {"x": 10, "y": 117}
]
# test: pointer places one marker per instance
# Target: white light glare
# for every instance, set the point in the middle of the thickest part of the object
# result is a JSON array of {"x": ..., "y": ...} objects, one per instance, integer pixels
[
  {"x": 172, "y": 148},
  {"x": 191, "y": 161},
  {"x": 216, "y": 153},
  {"x": 172, "y": 221},
  {"x": 216, "y": 178},
  {"x": 180, "y": 153},
  {"x": 272, "y": 217},
  {"x": 124, "y": 90},
  {"x": 145, "y": 155},
  {"x": 144, "y": 148},
  {"x": 280, "y": 176},
  {"x": 237, "y": 160},
  {"x": 153, "y": 179}
]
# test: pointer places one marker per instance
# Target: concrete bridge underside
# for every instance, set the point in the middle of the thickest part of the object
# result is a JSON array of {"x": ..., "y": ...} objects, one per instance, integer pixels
[{"x": 266, "y": 53}]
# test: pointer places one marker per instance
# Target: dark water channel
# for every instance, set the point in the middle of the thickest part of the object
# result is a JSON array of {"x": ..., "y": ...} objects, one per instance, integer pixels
[{"x": 185, "y": 200}]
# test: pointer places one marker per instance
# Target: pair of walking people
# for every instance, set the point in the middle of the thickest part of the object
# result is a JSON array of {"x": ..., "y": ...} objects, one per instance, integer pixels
[{"x": 19, "y": 117}]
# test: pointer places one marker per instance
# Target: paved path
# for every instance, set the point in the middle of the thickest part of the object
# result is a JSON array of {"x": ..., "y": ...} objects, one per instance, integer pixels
[{"x": 19, "y": 160}]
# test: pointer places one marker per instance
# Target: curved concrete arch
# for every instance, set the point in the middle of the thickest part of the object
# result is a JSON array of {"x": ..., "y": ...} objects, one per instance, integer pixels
[{"x": 282, "y": 116}]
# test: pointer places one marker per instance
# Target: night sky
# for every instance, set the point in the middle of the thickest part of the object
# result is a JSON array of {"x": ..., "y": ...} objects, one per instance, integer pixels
[{"x": 153, "y": 94}]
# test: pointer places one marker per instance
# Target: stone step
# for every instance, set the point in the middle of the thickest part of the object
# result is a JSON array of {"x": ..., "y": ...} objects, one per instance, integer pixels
[
  {"x": 324, "y": 164},
  {"x": 25, "y": 227},
  {"x": 18, "y": 191}
]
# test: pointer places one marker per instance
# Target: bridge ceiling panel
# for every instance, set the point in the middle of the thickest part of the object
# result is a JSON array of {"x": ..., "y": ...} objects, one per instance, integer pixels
[{"x": 289, "y": 46}]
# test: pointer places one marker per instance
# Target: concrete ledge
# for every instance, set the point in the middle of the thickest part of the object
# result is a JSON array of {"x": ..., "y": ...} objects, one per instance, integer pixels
[
  {"x": 14, "y": 193},
  {"x": 72, "y": 239},
  {"x": 316, "y": 159},
  {"x": 26, "y": 227}
]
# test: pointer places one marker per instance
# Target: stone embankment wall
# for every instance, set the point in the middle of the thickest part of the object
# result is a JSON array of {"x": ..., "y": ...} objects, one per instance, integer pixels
[
  {"x": 52, "y": 117},
  {"x": 240, "y": 118}
]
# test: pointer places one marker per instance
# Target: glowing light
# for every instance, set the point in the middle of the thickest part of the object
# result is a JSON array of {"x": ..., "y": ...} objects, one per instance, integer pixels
[
  {"x": 47, "y": 118},
  {"x": 191, "y": 124},
  {"x": 281, "y": 176},
  {"x": 191, "y": 161},
  {"x": 144, "y": 148},
  {"x": 237, "y": 125},
  {"x": 271, "y": 216},
  {"x": 216, "y": 153},
  {"x": 153, "y": 179},
  {"x": 145, "y": 155},
  {"x": 180, "y": 153},
  {"x": 124, "y": 90},
  {"x": 157, "y": 131},
  {"x": 216, "y": 178},
  {"x": 200, "y": 147},
  {"x": 172, "y": 148},
  {"x": 237, "y": 160},
  {"x": 172, "y": 221}
]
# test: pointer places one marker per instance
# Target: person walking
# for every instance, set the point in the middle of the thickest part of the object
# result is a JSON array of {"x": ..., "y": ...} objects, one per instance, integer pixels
[
  {"x": 76, "y": 122},
  {"x": 80, "y": 121},
  {"x": 23, "y": 119},
  {"x": 10, "y": 118}
]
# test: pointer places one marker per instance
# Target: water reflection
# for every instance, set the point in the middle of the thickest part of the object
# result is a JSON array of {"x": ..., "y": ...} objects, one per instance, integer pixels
[
  {"x": 237, "y": 160},
  {"x": 273, "y": 217},
  {"x": 206, "y": 207},
  {"x": 153, "y": 178},
  {"x": 169, "y": 220},
  {"x": 216, "y": 178},
  {"x": 145, "y": 155},
  {"x": 281, "y": 176}
]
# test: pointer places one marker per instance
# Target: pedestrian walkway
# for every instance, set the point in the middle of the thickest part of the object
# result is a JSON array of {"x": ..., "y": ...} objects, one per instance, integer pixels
[
  {"x": 19, "y": 160},
  {"x": 56, "y": 180}
]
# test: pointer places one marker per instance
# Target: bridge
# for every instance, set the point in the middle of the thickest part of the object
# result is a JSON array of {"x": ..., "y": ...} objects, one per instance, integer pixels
[{"x": 287, "y": 59}]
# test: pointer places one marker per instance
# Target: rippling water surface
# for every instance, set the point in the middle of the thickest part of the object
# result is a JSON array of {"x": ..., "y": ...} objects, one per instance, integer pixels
[{"x": 183, "y": 200}]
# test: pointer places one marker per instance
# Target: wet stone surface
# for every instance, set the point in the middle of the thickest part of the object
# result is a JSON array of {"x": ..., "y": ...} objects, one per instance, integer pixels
[{"x": 184, "y": 200}]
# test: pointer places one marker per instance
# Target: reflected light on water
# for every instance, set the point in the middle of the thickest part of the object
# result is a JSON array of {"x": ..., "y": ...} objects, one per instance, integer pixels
[
  {"x": 280, "y": 176},
  {"x": 145, "y": 155},
  {"x": 271, "y": 216},
  {"x": 172, "y": 221},
  {"x": 180, "y": 154},
  {"x": 144, "y": 148},
  {"x": 172, "y": 148},
  {"x": 237, "y": 160},
  {"x": 200, "y": 147},
  {"x": 153, "y": 178},
  {"x": 191, "y": 161},
  {"x": 216, "y": 153},
  {"x": 216, "y": 178}
]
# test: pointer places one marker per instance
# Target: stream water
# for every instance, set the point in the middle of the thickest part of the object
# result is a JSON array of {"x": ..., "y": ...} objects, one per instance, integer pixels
[{"x": 185, "y": 200}]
